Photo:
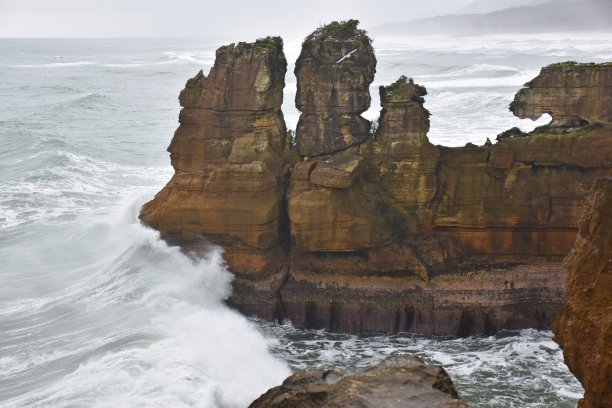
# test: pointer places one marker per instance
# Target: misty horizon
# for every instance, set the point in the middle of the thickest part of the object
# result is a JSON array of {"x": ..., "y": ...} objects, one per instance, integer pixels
[{"x": 193, "y": 18}]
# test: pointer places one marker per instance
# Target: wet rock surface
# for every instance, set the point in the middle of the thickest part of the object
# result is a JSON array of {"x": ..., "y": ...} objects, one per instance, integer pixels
[
  {"x": 377, "y": 232},
  {"x": 401, "y": 381},
  {"x": 584, "y": 327}
]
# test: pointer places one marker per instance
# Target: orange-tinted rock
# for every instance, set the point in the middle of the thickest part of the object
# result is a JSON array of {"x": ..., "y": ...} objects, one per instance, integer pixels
[
  {"x": 470, "y": 239},
  {"x": 382, "y": 232},
  {"x": 229, "y": 158},
  {"x": 336, "y": 220},
  {"x": 522, "y": 195},
  {"x": 341, "y": 172},
  {"x": 403, "y": 161},
  {"x": 334, "y": 72},
  {"x": 571, "y": 93},
  {"x": 584, "y": 326}
]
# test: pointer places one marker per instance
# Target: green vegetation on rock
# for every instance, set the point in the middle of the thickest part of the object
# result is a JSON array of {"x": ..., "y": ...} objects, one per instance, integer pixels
[
  {"x": 270, "y": 42},
  {"x": 403, "y": 88},
  {"x": 340, "y": 30},
  {"x": 571, "y": 64}
]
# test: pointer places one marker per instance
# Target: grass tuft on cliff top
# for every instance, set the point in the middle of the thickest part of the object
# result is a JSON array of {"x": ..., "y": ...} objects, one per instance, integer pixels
[
  {"x": 340, "y": 30},
  {"x": 270, "y": 41},
  {"x": 402, "y": 88},
  {"x": 571, "y": 64}
]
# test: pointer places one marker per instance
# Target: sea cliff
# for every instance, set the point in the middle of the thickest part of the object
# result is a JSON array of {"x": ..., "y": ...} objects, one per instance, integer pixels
[
  {"x": 584, "y": 326},
  {"x": 351, "y": 228}
]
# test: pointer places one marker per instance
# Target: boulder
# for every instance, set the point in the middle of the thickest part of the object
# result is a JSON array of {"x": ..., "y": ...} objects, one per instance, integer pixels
[{"x": 400, "y": 381}]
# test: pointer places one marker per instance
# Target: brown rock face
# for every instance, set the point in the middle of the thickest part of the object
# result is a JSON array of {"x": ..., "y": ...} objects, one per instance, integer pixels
[
  {"x": 334, "y": 72},
  {"x": 571, "y": 93},
  {"x": 584, "y": 326},
  {"x": 383, "y": 232},
  {"x": 229, "y": 157},
  {"x": 402, "y": 160},
  {"x": 401, "y": 381}
]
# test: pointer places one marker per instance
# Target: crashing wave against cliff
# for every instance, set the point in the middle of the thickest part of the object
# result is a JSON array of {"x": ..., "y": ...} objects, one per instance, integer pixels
[{"x": 365, "y": 231}]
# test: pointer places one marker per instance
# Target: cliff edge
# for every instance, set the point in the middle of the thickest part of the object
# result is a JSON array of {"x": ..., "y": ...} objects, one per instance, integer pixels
[{"x": 584, "y": 327}]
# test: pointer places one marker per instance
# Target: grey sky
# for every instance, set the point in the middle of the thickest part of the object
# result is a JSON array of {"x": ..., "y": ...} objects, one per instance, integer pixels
[{"x": 176, "y": 18}]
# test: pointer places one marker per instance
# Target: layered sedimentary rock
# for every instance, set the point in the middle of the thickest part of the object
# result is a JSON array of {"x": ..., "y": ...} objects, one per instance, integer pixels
[
  {"x": 229, "y": 156},
  {"x": 401, "y": 381},
  {"x": 380, "y": 231},
  {"x": 334, "y": 72},
  {"x": 571, "y": 93},
  {"x": 401, "y": 157},
  {"x": 584, "y": 326}
]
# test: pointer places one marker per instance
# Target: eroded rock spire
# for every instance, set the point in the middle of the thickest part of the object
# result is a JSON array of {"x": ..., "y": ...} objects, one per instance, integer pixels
[
  {"x": 228, "y": 155},
  {"x": 334, "y": 72}
]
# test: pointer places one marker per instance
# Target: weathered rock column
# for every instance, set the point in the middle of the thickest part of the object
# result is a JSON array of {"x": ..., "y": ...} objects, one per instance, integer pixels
[
  {"x": 334, "y": 72},
  {"x": 229, "y": 156},
  {"x": 403, "y": 161},
  {"x": 327, "y": 204},
  {"x": 349, "y": 229}
]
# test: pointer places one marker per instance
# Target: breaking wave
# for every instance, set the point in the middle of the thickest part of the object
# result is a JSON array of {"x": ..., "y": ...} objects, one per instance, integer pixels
[{"x": 124, "y": 320}]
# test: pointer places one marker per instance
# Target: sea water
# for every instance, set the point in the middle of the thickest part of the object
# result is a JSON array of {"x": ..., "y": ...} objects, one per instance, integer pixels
[{"x": 97, "y": 311}]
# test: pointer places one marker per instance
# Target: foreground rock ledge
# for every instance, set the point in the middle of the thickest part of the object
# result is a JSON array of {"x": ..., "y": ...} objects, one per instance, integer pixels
[
  {"x": 362, "y": 231},
  {"x": 584, "y": 327},
  {"x": 401, "y": 381}
]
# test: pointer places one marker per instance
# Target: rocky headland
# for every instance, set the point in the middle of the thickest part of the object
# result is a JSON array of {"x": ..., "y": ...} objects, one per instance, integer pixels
[
  {"x": 356, "y": 229},
  {"x": 584, "y": 326}
]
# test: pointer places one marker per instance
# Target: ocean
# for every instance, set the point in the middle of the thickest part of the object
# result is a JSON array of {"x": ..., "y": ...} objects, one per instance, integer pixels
[{"x": 97, "y": 311}]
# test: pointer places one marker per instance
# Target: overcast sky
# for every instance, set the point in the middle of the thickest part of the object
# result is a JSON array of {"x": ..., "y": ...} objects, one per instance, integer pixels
[{"x": 197, "y": 18}]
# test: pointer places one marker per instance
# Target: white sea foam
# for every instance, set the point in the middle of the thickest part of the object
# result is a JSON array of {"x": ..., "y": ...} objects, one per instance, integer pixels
[
  {"x": 506, "y": 369},
  {"x": 54, "y": 64},
  {"x": 65, "y": 184},
  {"x": 474, "y": 69},
  {"x": 516, "y": 80},
  {"x": 174, "y": 56},
  {"x": 178, "y": 344},
  {"x": 167, "y": 58}
]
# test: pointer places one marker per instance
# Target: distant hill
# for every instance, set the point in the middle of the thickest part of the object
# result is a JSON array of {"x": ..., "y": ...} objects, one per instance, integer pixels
[
  {"x": 585, "y": 15},
  {"x": 488, "y": 6}
]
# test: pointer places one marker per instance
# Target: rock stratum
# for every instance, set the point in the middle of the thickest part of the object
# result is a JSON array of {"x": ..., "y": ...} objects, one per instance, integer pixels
[
  {"x": 400, "y": 381},
  {"x": 354, "y": 229},
  {"x": 584, "y": 326}
]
